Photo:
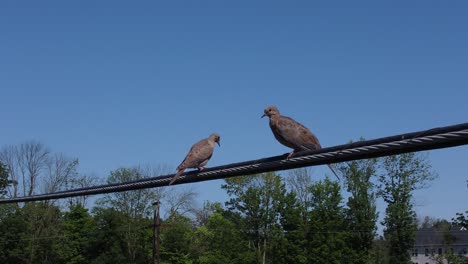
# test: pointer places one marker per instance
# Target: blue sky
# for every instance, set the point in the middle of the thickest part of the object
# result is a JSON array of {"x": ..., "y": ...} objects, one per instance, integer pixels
[{"x": 116, "y": 83}]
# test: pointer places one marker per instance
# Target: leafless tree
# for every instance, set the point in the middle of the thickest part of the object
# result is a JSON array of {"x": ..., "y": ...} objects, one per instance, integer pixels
[
  {"x": 149, "y": 171},
  {"x": 80, "y": 181},
  {"x": 59, "y": 171},
  {"x": 32, "y": 167},
  {"x": 181, "y": 201},
  {"x": 32, "y": 158},
  {"x": 299, "y": 180}
]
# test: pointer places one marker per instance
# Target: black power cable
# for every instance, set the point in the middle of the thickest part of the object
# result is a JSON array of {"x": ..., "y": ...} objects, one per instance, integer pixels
[{"x": 442, "y": 137}]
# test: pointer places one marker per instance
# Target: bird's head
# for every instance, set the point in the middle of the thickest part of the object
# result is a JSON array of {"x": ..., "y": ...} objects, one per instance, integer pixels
[
  {"x": 216, "y": 138},
  {"x": 270, "y": 111}
]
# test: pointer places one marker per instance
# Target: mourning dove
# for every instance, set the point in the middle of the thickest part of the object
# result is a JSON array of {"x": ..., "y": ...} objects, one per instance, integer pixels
[
  {"x": 291, "y": 133},
  {"x": 199, "y": 155}
]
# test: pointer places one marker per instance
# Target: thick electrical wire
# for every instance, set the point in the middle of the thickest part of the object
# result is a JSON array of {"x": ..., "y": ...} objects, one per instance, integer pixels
[{"x": 436, "y": 138}]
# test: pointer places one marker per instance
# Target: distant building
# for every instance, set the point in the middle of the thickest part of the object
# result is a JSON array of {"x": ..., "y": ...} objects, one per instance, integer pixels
[{"x": 433, "y": 245}]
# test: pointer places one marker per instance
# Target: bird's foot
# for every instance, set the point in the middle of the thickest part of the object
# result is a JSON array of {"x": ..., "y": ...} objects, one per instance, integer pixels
[
  {"x": 200, "y": 168},
  {"x": 290, "y": 155}
]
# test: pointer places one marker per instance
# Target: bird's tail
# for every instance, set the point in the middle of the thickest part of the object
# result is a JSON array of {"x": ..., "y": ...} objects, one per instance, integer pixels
[
  {"x": 334, "y": 172},
  {"x": 177, "y": 176}
]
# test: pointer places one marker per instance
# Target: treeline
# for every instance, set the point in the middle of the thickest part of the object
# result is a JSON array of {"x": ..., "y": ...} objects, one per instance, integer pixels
[{"x": 268, "y": 218}]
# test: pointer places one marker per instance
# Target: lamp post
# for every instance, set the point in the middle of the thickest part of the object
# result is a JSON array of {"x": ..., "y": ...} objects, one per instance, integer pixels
[{"x": 156, "y": 233}]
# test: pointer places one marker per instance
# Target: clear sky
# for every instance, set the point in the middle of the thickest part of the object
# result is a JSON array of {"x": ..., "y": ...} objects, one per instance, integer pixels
[{"x": 118, "y": 83}]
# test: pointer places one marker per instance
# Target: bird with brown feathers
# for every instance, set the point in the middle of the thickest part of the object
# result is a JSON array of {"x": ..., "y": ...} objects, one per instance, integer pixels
[
  {"x": 199, "y": 155},
  {"x": 291, "y": 133}
]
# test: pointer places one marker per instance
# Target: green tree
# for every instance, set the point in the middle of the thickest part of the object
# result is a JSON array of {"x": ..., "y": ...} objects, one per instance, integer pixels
[
  {"x": 361, "y": 212},
  {"x": 203, "y": 214},
  {"x": 380, "y": 252},
  {"x": 221, "y": 241},
  {"x": 326, "y": 236},
  {"x": 461, "y": 219},
  {"x": 177, "y": 236},
  {"x": 4, "y": 181},
  {"x": 79, "y": 230},
  {"x": 43, "y": 231},
  {"x": 402, "y": 175},
  {"x": 290, "y": 242},
  {"x": 13, "y": 230},
  {"x": 109, "y": 247},
  {"x": 133, "y": 203},
  {"x": 257, "y": 199},
  {"x": 136, "y": 207}
]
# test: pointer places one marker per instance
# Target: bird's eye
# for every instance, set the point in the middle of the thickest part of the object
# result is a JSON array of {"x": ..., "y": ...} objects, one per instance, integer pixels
[{"x": 269, "y": 110}]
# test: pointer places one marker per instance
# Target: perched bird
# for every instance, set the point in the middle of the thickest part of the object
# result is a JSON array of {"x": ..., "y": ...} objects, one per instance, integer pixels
[
  {"x": 291, "y": 133},
  {"x": 199, "y": 155}
]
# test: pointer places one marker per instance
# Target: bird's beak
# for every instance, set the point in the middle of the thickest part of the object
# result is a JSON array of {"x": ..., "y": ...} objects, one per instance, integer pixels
[
  {"x": 263, "y": 116},
  {"x": 219, "y": 144}
]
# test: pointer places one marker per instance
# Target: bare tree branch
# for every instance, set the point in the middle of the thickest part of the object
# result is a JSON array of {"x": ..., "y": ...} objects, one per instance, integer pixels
[
  {"x": 59, "y": 171},
  {"x": 32, "y": 157},
  {"x": 181, "y": 202}
]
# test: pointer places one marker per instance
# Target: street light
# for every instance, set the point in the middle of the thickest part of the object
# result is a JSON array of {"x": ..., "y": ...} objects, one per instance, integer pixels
[{"x": 156, "y": 240}]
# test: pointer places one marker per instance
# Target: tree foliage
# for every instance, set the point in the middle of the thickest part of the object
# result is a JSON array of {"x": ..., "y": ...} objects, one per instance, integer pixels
[
  {"x": 461, "y": 219},
  {"x": 267, "y": 219},
  {"x": 257, "y": 199},
  {"x": 4, "y": 181},
  {"x": 361, "y": 212},
  {"x": 326, "y": 234},
  {"x": 402, "y": 175},
  {"x": 79, "y": 228}
]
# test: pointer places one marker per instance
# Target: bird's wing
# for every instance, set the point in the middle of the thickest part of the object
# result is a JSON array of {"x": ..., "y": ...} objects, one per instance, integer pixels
[
  {"x": 296, "y": 135},
  {"x": 200, "y": 153}
]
